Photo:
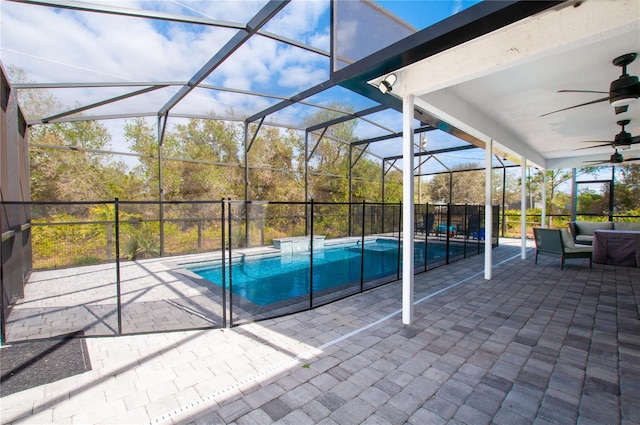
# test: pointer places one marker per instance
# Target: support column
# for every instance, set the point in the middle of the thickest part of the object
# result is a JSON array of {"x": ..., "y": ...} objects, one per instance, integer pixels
[
  {"x": 574, "y": 194},
  {"x": 523, "y": 209},
  {"x": 504, "y": 200},
  {"x": 306, "y": 181},
  {"x": 544, "y": 199},
  {"x": 488, "y": 211},
  {"x": 162, "y": 127},
  {"x": 407, "y": 210}
]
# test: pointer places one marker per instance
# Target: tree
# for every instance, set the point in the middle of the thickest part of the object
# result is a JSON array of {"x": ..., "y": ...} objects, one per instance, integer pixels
[
  {"x": 591, "y": 202},
  {"x": 329, "y": 166},
  {"x": 68, "y": 170},
  {"x": 275, "y": 154},
  {"x": 64, "y": 164},
  {"x": 142, "y": 140},
  {"x": 467, "y": 187},
  {"x": 627, "y": 188}
]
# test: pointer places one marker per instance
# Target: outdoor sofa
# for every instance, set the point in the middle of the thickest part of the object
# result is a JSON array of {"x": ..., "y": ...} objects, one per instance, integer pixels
[{"x": 582, "y": 231}]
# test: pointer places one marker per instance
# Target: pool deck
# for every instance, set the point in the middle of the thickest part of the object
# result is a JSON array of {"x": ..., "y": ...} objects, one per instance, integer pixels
[{"x": 535, "y": 344}]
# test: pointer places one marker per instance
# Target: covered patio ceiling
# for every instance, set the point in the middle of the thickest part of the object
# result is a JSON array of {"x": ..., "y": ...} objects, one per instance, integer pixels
[{"x": 506, "y": 85}]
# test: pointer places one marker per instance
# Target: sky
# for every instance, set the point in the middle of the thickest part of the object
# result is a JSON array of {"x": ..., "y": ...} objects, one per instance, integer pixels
[{"x": 58, "y": 45}]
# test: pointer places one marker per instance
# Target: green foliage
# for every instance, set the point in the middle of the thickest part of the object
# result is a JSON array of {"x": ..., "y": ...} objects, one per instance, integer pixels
[
  {"x": 87, "y": 260},
  {"x": 203, "y": 159},
  {"x": 62, "y": 244},
  {"x": 143, "y": 242}
]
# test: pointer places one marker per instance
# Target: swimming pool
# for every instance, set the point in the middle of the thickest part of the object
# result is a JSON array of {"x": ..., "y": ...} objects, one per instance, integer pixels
[{"x": 265, "y": 280}]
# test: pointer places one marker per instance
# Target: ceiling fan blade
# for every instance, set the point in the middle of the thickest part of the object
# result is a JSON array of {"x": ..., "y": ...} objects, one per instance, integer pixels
[
  {"x": 598, "y": 162},
  {"x": 583, "y": 91},
  {"x": 621, "y": 109},
  {"x": 577, "y": 106},
  {"x": 596, "y": 146},
  {"x": 631, "y": 159}
]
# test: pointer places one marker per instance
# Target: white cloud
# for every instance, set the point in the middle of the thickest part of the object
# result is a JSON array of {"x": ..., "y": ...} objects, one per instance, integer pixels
[
  {"x": 302, "y": 76},
  {"x": 54, "y": 45}
]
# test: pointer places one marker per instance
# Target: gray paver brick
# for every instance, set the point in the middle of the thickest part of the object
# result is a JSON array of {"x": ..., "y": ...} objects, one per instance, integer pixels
[
  {"x": 229, "y": 412},
  {"x": 497, "y": 382},
  {"x": 276, "y": 409},
  {"x": 470, "y": 415},
  {"x": 331, "y": 400},
  {"x": 346, "y": 390},
  {"x": 263, "y": 395},
  {"x": 297, "y": 417},
  {"x": 392, "y": 414},
  {"x": 255, "y": 417},
  {"x": 405, "y": 402},
  {"x": 354, "y": 412},
  {"x": 209, "y": 418},
  {"x": 505, "y": 416},
  {"x": 485, "y": 399},
  {"x": 366, "y": 378},
  {"x": 423, "y": 416},
  {"x": 455, "y": 391},
  {"x": 324, "y": 382},
  {"x": 441, "y": 407},
  {"x": 316, "y": 410},
  {"x": 376, "y": 420},
  {"x": 375, "y": 396},
  {"x": 300, "y": 395}
]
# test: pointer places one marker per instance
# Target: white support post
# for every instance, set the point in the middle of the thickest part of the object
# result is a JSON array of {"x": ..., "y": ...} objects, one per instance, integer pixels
[
  {"x": 544, "y": 199},
  {"x": 574, "y": 194},
  {"x": 407, "y": 210},
  {"x": 488, "y": 211},
  {"x": 523, "y": 210}
]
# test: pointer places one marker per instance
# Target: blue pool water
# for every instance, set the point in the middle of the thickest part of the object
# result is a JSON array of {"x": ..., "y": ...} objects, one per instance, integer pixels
[{"x": 266, "y": 280}]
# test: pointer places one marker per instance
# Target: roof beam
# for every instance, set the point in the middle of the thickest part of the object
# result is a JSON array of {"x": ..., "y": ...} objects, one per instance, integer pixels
[
  {"x": 260, "y": 19},
  {"x": 297, "y": 98},
  {"x": 136, "y": 13},
  {"x": 391, "y": 136},
  {"x": 348, "y": 117},
  {"x": 102, "y": 103},
  {"x": 435, "y": 152}
]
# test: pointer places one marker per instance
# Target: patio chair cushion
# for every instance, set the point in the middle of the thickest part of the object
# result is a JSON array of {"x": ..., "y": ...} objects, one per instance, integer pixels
[
  {"x": 567, "y": 239},
  {"x": 588, "y": 227},
  {"x": 578, "y": 249},
  {"x": 625, "y": 225}
]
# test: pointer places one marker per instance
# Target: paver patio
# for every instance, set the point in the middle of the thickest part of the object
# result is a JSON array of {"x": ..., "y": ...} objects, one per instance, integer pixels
[{"x": 533, "y": 345}]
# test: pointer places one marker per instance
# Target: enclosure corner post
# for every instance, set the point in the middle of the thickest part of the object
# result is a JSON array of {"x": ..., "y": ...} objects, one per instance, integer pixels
[{"x": 118, "y": 289}]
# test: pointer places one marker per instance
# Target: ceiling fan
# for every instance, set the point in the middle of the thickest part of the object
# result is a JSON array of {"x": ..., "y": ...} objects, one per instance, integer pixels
[
  {"x": 615, "y": 158},
  {"x": 622, "y": 140},
  {"x": 622, "y": 92}
]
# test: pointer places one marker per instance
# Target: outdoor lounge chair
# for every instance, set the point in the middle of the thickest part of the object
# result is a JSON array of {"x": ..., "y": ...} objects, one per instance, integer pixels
[
  {"x": 559, "y": 243},
  {"x": 427, "y": 224},
  {"x": 473, "y": 225}
]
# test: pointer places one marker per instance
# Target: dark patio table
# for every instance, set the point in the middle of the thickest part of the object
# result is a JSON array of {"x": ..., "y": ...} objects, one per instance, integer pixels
[{"x": 617, "y": 247}]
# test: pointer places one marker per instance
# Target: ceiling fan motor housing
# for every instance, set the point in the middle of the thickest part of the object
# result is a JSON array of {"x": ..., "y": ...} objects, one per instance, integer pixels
[
  {"x": 616, "y": 158},
  {"x": 624, "y": 90},
  {"x": 623, "y": 140}
]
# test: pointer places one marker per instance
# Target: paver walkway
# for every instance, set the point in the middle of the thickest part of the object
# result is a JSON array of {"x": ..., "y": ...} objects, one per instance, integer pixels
[{"x": 533, "y": 345}]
